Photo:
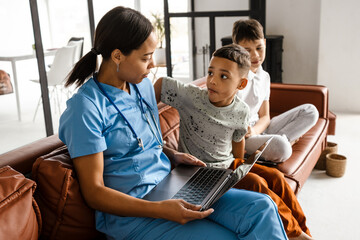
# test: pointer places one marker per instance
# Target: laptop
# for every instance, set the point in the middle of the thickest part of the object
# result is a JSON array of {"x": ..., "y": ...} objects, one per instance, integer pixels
[{"x": 202, "y": 185}]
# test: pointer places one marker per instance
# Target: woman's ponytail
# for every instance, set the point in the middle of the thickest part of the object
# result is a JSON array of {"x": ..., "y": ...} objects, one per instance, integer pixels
[{"x": 83, "y": 69}]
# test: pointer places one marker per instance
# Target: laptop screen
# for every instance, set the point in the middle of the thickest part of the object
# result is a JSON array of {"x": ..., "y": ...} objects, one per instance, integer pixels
[{"x": 244, "y": 168}]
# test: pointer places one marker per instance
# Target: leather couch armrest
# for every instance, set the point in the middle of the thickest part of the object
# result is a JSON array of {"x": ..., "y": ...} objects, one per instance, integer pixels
[
  {"x": 284, "y": 97},
  {"x": 22, "y": 158}
]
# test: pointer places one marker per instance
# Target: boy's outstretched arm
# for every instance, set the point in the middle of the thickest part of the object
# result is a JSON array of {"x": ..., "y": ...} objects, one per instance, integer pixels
[
  {"x": 157, "y": 88},
  {"x": 238, "y": 149}
]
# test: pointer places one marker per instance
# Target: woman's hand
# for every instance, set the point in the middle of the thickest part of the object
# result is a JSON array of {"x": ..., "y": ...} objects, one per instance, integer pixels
[
  {"x": 251, "y": 132},
  {"x": 187, "y": 159},
  {"x": 180, "y": 211}
]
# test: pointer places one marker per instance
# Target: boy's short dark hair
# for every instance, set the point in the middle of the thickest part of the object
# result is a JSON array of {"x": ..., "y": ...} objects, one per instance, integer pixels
[
  {"x": 235, "y": 53},
  {"x": 247, "y": 30}
]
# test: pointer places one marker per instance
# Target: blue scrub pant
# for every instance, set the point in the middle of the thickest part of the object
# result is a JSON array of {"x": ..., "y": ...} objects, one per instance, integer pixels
[{"x": 239, "y": 214}]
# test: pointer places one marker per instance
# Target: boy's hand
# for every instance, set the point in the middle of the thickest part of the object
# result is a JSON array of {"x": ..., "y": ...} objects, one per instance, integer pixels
[
  {"x": 187, "y": 159},
  {"x": 180, "y": 211},
  {"x": 251, "y": 132}
]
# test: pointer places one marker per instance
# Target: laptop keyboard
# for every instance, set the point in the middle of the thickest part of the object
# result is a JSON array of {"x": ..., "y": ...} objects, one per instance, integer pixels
[{"x": 199, "y": 185}]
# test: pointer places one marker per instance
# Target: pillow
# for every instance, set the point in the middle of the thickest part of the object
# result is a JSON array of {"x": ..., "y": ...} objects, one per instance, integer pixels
[
  {"x": 20, "y": 215},
  {"x": 64, "y": 212}
]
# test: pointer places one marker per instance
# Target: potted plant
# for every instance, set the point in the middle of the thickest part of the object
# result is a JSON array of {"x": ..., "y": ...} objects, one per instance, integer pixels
[{"x": 159, "y": 29}]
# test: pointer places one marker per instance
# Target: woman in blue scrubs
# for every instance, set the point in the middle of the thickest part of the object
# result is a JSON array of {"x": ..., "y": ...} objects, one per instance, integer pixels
[{"x": 111, "y": 128}]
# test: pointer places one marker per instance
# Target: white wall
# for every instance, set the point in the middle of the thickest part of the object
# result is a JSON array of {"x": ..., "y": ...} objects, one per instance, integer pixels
[
  {"x": 339, "y": 53},
  {"x": 298, "y": 22},
  {"x": 321, "y": 46}
]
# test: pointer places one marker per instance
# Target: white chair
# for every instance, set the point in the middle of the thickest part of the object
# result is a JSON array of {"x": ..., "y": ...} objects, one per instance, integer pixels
[
  {"x": 79, "y": 43},
  {"x": 60, "y": 68}
]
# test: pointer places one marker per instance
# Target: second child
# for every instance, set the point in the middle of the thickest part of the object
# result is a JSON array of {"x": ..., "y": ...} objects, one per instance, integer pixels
[{"x": 285, "y": 129}]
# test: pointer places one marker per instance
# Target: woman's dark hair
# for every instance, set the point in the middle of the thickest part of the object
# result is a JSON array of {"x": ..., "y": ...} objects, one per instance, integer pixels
[{"x": 121, "y": 28}]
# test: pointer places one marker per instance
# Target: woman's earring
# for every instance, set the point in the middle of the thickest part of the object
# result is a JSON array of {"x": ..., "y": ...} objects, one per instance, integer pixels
[{"x": 117, "y": 67}]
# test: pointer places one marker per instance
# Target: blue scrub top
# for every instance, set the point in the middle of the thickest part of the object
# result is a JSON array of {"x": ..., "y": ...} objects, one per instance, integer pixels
[{"x": 91, "y": 124}]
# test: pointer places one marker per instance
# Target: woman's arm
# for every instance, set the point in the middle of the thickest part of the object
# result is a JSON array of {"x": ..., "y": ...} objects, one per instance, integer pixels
[
  {"x": 89, "y": 171},
  {"x": 238, "y": 149},
  {"x": 263, "y": 122}
]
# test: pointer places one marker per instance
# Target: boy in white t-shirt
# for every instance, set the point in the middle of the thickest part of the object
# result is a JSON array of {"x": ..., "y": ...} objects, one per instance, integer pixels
[{"x": 285, "y": 129}]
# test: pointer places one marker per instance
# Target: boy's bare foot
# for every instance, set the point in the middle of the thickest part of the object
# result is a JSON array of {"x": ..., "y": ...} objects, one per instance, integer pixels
[{"x": 302, "y": 236}]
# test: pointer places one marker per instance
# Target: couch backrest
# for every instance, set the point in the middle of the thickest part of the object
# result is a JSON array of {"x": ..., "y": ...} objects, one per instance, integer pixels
[
  {"x": 21, "y": 159},
  {"x": 284, "y": 97}
]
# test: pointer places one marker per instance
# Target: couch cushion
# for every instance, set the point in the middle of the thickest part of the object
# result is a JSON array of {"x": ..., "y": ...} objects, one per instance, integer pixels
[
  {"x": 20, "y": 215},
  {"x": 64, "y": 212}
]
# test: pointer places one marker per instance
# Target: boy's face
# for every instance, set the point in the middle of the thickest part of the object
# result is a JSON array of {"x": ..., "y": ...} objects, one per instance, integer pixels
[
  {"x": 224, "y": 80},
  {"x": 256, "y": 49}
]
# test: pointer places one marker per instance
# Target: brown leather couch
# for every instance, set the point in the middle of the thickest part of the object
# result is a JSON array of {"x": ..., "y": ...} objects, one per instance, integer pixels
[{"x": 283, "y": 97}]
